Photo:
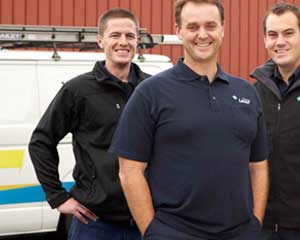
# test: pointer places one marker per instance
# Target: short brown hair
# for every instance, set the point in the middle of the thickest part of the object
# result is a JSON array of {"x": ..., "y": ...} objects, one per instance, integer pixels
[
  {"x": 179, "y": 4},
  {"x": 279, "y": 9},
  {"x": 115, "y": 13}
]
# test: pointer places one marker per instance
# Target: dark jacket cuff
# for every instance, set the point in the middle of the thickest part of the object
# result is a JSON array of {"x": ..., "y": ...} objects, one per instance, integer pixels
[{"x": 59, "y": 199}]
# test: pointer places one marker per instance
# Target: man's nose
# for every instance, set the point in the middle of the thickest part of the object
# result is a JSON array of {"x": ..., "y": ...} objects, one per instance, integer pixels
[
  {"x": 123, "y": 39},
  {"x": 202, "y": 33},
  {"x": 280, "y": 40}
]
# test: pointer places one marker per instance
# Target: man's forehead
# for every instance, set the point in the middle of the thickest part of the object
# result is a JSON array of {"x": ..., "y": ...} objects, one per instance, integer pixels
[
  {"x": 282, "y": 21},
  {"x": 120, "y": 21},
  {"x": 200, "y": 12},
  {"x": 120, "y": 24},
  {"x": 191, "y": 22}
]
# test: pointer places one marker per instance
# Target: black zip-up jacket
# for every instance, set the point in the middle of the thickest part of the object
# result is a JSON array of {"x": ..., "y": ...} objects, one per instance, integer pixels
[
  {"x": 89, "y": 107},
  {"x": 282, "y": 115}
]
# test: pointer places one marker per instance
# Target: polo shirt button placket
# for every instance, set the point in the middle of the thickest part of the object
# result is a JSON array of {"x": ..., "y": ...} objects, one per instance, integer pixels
[{"x": 213, "y": 101}]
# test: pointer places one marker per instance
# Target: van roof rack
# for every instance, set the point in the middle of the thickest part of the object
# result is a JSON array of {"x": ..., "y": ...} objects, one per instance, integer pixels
[{"x": 82, "y": 38}]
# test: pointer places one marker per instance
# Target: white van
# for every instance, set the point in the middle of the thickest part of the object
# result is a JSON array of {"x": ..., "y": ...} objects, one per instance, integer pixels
[{"x": 28, "y": 82}]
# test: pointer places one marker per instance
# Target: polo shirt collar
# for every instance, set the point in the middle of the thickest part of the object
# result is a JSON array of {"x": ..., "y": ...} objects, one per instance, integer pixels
[
  {"x": 187, "y": 74},
  {"x": 297, "y": 73},
  {"x": 295, "y": 76}
]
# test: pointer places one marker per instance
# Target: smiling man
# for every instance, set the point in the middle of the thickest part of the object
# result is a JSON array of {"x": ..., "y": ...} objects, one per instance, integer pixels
[
  {"x": 194, "y": 166},
  {"x": 89, "y": 107},
  {"x": 278, "y": 83}
]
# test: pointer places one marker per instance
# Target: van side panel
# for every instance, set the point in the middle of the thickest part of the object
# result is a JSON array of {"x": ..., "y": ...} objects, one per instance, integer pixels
[{"x": 20, "y": 193}]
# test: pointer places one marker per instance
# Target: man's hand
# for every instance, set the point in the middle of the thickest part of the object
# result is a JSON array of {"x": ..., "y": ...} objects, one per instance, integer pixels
[
  {"x": 260, "y": 186},
  {"x": 137, "y": 192},
  {"x": 71, "y": 206}
]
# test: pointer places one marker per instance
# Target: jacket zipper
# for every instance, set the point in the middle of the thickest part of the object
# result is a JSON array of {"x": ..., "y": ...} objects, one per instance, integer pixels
[
  {"x": 118, "y": 105},
  {"x": 276, "y": 164}
]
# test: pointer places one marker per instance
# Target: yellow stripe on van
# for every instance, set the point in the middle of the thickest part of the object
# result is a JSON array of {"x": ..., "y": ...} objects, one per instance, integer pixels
[
  {"x": 11, "y": 158},
  {"x": 10, "y": 187}
]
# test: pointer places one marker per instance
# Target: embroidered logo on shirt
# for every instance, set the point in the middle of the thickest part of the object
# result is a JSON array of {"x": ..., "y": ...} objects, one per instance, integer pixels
[{"x": 242, "y": 100}]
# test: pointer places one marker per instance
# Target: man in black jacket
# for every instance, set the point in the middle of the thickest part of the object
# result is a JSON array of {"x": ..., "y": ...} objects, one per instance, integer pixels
[
  {"x": 89, "y": 107},
  {"x": 278, "y": 83}
]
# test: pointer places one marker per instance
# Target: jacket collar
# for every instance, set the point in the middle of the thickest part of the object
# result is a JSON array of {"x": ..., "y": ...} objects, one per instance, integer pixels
[
  {"x": 103, "y": 75},
  {"x": 265, "y": 73}
]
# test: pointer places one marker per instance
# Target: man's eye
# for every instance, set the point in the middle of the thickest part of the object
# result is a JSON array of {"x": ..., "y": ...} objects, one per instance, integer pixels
[
  {"x": 131, "y": 37},
  {"x": 289, "y": 33},
  {"x": 192, "y": 28},
  {"x": 211, "y": 26},
  {"x": 272, "y": 35}
]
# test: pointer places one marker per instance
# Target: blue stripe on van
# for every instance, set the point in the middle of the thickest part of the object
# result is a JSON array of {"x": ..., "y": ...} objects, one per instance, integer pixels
[{"x": 26, "y": 194}]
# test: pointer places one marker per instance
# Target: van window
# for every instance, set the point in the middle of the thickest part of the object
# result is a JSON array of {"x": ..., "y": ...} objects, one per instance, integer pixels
[{"x": 18, "y": 99}]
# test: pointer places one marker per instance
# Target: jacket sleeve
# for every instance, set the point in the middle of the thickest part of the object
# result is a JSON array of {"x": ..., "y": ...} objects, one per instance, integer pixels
[{"x": 59, "y": 119}]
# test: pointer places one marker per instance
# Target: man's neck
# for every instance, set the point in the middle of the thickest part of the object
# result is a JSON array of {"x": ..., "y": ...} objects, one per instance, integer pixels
[
  {"x": 208, "y": 68},
  {"x": 286, "y": 72},
  {"x": 120, "y": 71}
]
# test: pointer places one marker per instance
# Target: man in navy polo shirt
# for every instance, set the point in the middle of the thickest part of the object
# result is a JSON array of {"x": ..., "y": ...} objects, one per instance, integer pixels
[{"x": 192, "y": 142}]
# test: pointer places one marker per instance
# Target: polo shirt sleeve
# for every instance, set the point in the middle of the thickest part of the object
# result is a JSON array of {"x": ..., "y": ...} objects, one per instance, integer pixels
[
  {"x": 133, "y": 138},
  {"x": 259, "y": 147}
]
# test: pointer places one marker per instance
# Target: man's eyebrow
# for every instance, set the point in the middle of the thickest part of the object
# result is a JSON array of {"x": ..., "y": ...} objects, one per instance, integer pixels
[
  {"x": 289, "y": 29},
  {"x": 285, "y": 30},
  {"x": 271, "y": 31},
  {"x": 191, "y": 24}
]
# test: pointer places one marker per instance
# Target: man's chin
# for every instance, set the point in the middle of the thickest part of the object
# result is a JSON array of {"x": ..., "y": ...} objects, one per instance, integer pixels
[
  {"x": 124, "y": 60},
  {"x": 282, "y": 62},
  {"x": 123, "y": 63}
]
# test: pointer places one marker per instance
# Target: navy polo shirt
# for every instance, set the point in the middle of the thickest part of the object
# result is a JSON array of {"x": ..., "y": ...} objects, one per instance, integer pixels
[{"x": 198, "y": 139}]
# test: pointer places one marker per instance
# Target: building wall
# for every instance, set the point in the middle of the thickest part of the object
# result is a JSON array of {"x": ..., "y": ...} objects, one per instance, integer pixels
[{"x": 242, "y": 48}]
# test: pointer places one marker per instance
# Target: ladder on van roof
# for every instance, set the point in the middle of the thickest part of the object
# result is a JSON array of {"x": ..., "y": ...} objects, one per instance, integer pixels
[{"x": 82, "y": 38}]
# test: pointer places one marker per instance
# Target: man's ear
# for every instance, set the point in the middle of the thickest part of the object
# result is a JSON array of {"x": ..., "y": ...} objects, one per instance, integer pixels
[
  {"x": 100, "y": 41},
  {"x": 265, "y": 41},
  {"x": 223, "y": 29},
  {"x": 177, "y": 31}
]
